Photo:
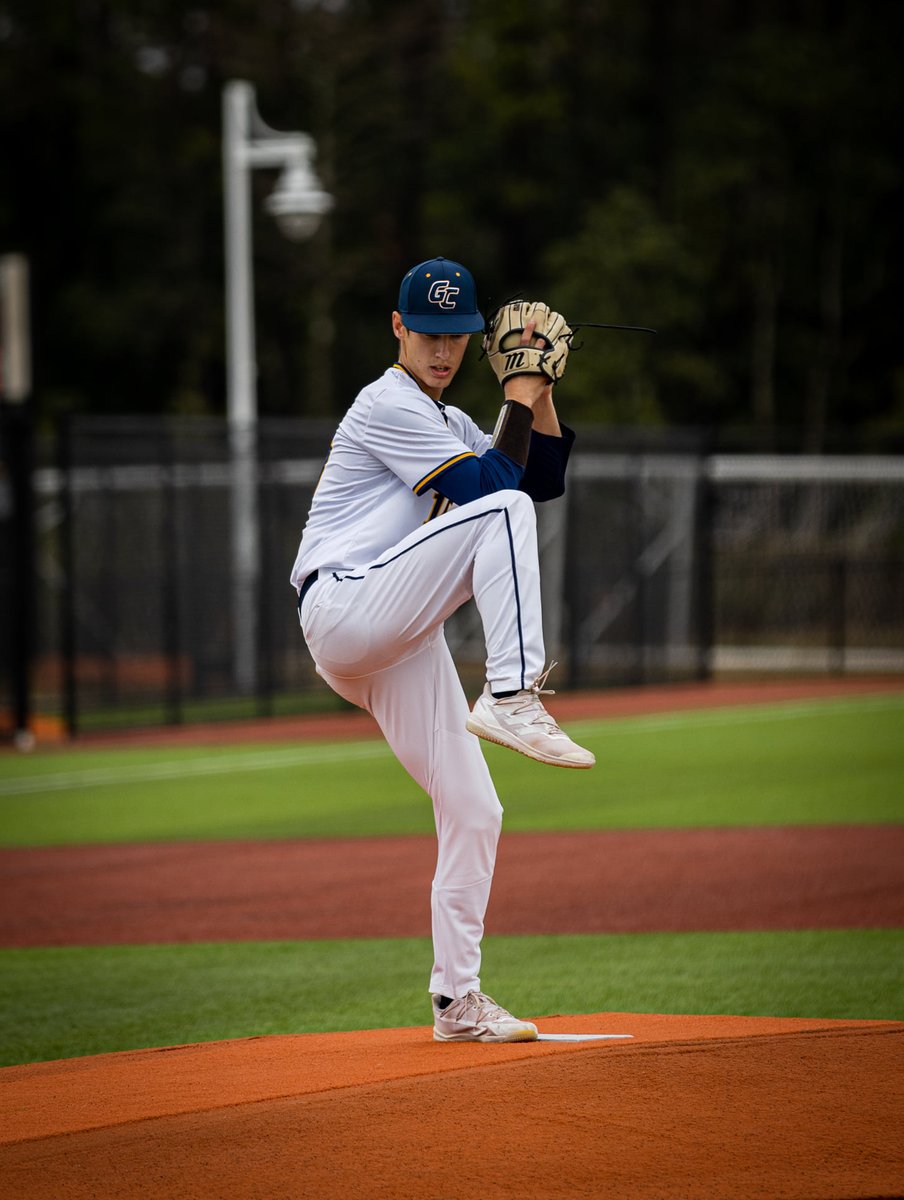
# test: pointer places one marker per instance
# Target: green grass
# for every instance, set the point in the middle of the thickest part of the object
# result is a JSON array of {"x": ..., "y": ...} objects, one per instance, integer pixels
[
  {"x": 66, "y": 1002},
  {"x": 821, "y": 762},
  {"x": 824, "y": 762}
]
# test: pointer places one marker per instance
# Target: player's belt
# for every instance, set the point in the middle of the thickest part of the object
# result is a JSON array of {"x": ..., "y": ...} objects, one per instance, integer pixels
[{"x": 309, "y": 582}]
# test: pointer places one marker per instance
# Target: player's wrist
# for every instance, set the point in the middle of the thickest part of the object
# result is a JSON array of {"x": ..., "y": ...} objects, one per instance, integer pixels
[
  {"x": 526, "y": 389},
  {"x": 512, "y": 433}
]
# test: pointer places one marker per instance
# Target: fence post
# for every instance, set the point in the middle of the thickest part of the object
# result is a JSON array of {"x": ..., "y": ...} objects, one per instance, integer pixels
[
  {"x": 172, "y": 633},
  {"x": 570, "y": 584},
  {"x": 637, "y": 545},
  {"x": 263, "y": 650},
  {"x": 837, "y": 613},
  {"x": 68, "y": 629},
  {"x": 17, "y": 438},
  {"x": 705, "y": 573}
]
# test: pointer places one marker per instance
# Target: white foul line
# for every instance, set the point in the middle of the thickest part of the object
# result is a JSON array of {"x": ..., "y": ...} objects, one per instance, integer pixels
[{"x": 224, "y": 764}]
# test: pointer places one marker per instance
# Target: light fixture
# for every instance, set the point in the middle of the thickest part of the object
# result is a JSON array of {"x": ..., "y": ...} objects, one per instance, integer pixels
[{"x": 297, "y": 202}]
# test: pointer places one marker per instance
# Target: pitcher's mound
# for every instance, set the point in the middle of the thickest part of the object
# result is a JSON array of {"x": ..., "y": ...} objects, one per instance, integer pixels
[{"x": 690, "y": 1106}]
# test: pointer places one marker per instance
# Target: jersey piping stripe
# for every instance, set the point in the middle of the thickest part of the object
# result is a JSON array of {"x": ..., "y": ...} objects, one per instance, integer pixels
[
  {"x": 490, "y": 512},
  {"x": 508, "y": 528},
  {"x": 420, "y": 487}
]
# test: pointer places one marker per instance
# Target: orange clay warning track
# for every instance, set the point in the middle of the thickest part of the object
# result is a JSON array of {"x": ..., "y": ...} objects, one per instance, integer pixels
[{"x": 706, "y": 1107}]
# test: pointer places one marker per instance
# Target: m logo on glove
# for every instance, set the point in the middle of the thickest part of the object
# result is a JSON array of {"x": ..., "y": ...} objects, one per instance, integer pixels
[
  {"x": 441, "y": 293},
  {"x": 547, "y": 353}
]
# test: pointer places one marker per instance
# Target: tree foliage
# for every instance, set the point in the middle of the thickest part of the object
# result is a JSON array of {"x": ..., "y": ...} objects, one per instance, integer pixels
[{"x": 730, "y": 174}]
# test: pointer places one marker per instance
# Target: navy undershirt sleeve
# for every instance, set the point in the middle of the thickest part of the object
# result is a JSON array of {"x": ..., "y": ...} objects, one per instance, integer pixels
[
  {"x": 542, "y": 479},
  {"x": 544, "y": 475},
  {"x": 474, "y": 477}
]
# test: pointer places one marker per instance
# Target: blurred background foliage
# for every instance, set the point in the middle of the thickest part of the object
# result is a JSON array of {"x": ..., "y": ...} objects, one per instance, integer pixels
[{"x": 727, "y": 171}]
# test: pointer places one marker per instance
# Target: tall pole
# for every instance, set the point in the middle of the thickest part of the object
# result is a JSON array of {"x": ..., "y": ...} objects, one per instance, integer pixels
[
  {"x": 297, "y": 203},
  {"x": 241, "y": 382},
  {"x": 238, "y": 105},
  {"x": 17, "y": 449}
]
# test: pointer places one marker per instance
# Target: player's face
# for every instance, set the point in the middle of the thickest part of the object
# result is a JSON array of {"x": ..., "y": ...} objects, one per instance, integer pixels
[{"x": 433, "y": 359}]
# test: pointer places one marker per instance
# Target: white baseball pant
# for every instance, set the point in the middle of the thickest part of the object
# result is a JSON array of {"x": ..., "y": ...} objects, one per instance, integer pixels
[{"x": 376, "y": 636}]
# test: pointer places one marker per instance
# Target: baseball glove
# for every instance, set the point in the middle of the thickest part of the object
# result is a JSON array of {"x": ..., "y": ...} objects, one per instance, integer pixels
[{"x": 502, "y": 341}]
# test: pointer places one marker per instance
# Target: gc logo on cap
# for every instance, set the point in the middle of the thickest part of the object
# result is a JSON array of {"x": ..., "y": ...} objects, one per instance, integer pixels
[{"x": 439, "y": 296}]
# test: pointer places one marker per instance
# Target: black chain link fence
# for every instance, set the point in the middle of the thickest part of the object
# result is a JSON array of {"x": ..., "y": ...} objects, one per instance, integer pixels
[{"x": 162, "y": 550}]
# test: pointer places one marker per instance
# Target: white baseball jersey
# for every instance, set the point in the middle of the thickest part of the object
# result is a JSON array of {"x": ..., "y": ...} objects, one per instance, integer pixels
[
  {"x": 375, "y": 487},
  {"x": 395, "y": 560}
]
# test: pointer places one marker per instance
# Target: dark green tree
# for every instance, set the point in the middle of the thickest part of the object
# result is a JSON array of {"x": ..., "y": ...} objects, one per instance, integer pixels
[{"x": 728, "y": 173}]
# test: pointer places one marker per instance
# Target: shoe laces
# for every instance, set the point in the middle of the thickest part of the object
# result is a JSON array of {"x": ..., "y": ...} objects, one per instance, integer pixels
[
  {"x": 529, "y": 702},
  {"x": 538, "y": 687},
  {"x": 485, "y": 1007}
]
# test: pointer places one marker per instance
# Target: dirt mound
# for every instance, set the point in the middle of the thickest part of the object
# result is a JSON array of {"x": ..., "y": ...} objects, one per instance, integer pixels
[{"x": 690, "y": 1107}]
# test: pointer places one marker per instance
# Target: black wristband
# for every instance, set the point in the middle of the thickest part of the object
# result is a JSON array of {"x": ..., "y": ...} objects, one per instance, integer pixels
[{"x": 512, "y": 432}]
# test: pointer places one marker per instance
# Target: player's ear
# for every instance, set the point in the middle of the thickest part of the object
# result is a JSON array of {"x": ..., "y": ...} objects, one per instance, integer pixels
[{"x": 397, "y": 327}]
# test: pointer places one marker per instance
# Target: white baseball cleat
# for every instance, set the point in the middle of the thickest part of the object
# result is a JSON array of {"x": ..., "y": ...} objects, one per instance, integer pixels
[
  {"x": 478, "y": 1018},
  {"x": 521, "y": 723}
]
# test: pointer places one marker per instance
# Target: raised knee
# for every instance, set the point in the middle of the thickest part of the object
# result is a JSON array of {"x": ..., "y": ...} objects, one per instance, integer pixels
[{"x": 519, "y": 504}]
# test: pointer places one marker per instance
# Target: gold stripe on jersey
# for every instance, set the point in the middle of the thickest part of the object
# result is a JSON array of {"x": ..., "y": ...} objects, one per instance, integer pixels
[{"x": 420, "y": 487}]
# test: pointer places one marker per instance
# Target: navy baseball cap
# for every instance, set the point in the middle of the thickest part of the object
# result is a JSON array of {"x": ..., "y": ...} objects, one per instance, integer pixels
[{"x": 439, "y": 296}]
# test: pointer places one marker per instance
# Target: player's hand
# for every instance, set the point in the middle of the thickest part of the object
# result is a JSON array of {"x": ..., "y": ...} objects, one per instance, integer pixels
[{"x": 528, "y": 389}]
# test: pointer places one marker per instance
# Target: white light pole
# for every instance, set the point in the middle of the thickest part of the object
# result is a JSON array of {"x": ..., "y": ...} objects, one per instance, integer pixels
[{"x": 297, "y": 203}]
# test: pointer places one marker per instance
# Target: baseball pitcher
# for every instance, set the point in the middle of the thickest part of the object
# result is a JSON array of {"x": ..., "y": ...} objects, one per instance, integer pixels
[{"x": 418, "y": 510}]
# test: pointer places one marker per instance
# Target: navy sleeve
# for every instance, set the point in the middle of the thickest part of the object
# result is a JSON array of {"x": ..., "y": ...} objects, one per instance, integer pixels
[
  {"x": 473, "y": 477},
  {"x": 544, "y": 475}
]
